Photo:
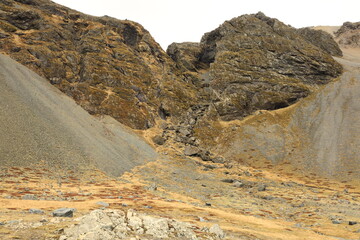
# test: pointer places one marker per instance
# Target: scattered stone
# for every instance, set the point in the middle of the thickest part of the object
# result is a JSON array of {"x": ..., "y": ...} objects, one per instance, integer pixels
[
  {"x": 103, "y": 204},
  {"x": 336, "y": 221},
  {"x": 116, "y": 224},
  {"x": 29, "y": 197},
  {"x": 352, "y": 223},
  {"x": 238, "y": 184},
  {"x": 36, "y": 211},
  {"x": 262, "y": 188},
  {"x": 202, "y": 219},
  {"x": 64, "y": 212},
  {"x": 151, "y": 187},
  {"x": 191, "y": 150},
  {"x": 215, "y": 229},
  {"x": 208, "y": 204},
  {"x": 227, "y": 180},
  {"x": 218, "y": 160},
  {"x": 159, "y": 140}
]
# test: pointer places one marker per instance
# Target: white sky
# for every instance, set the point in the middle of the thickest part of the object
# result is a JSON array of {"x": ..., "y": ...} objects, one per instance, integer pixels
[{"x": 187, "y": 20}]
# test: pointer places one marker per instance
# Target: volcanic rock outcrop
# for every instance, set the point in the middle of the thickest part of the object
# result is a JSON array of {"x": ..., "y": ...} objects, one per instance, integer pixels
[{"x": 255, "y": 62}]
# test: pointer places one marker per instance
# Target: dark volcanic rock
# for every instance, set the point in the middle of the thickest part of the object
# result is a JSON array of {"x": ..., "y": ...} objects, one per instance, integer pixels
[{"x": 322, "y": 40}]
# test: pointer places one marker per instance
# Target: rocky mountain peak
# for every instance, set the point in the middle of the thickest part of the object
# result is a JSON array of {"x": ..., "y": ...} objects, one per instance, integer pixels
[
  {"x": 255, "y": 62},
  {"x": 114, "y": 67}
]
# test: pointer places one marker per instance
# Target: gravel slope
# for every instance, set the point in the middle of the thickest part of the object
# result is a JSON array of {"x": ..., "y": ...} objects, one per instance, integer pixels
[{"x": 39, "y": 124}]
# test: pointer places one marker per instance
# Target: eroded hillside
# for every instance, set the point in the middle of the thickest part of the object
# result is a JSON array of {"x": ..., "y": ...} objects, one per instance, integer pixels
[{"x": 108, "y": 66}]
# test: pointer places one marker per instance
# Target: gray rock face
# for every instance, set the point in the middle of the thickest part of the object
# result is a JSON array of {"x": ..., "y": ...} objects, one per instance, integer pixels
[
  {"x": 116, "y": 224},
  {"x": 255, "y": 62},
  {"x": 185, "y": 55},
  {"x": 260, "y": 63},
  {"x": 322, "y": 40}
]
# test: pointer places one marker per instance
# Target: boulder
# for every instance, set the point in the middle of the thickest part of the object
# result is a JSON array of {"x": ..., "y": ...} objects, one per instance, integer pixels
[
  {"x": 116, "y": 224},
  {"x": 191, "y": 150},
  {"x": 64, "y": 212}
]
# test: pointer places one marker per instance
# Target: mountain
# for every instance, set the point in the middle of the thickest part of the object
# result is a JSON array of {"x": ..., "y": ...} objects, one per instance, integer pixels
[
  {"x": 113, "y": 67},
  {"x": 250, "y": 133}
]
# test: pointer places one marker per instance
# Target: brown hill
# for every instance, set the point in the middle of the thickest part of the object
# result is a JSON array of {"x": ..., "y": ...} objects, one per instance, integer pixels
[{"x": 110, "y": 67}]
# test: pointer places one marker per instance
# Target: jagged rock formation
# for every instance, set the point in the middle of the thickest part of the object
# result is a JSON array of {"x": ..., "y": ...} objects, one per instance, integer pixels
[
  {"x": 349, "y": 34},
  {"x": 113, "y": 67},
  {"x": 110, "y": 67},
  {"x": 255, "y": 62},
  {"x": 321, "y": 39}
]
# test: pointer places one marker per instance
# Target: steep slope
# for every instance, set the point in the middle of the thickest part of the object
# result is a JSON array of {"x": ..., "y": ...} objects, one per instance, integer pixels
[
  {"x": 318, "y": 135},
  {"x": 42, "y": 126},
  {"x": 110, "y": 67}
]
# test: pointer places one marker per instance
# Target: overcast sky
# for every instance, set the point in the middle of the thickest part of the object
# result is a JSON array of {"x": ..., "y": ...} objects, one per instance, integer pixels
[{"x": 187, "y": 20}]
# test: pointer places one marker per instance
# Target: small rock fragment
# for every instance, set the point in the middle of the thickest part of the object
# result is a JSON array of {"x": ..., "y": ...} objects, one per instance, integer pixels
[
  {"x": 159, "y": 140},
  {"x": 36, "y": 211},
  {"x": 103, "y": 204}
]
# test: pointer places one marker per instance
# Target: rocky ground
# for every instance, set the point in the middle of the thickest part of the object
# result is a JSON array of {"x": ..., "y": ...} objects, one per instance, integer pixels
[
  {"x": 246, "y": 203},
  {"x": 215, "y": 174}
]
